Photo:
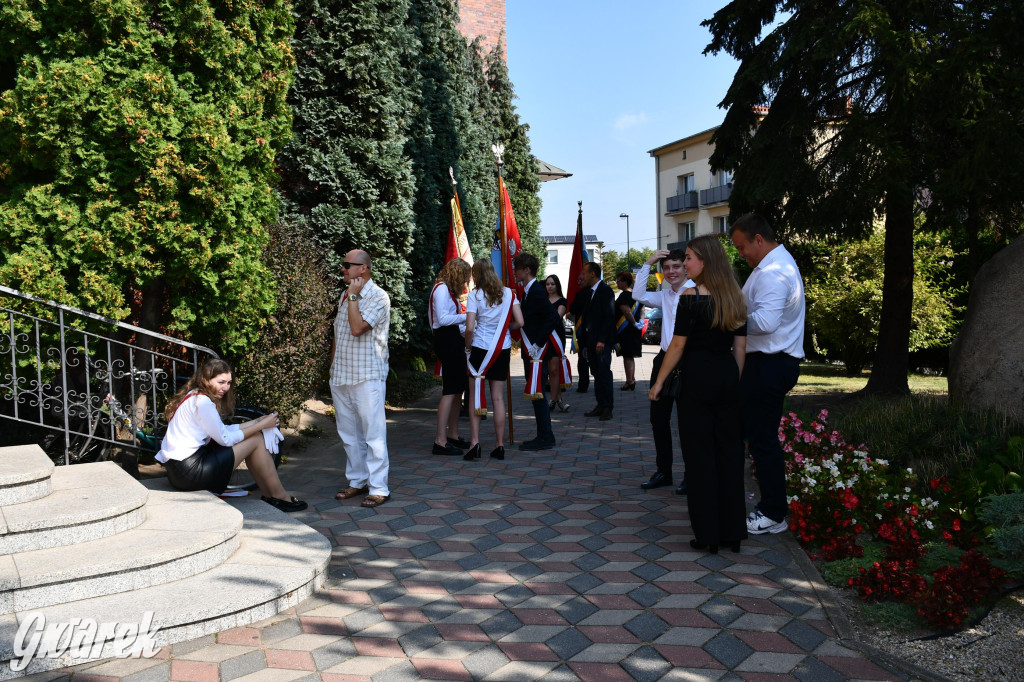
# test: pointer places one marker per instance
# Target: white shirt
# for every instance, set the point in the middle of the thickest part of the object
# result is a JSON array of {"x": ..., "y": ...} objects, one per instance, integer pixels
[
  {"x": 446, "y": 311},
  {"x": 362, "y": 358},
  {"x": 775, "y": 305},
  {"x": 488, "y": 318},
  {"x": 666, "y": 299},
  {"x": 193, "y": 425}
]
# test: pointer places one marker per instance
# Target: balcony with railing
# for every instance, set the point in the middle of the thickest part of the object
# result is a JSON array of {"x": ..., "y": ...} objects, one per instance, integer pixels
[
  {"x": 715, "y": 195},
  {"x": 687, "y": 201}
]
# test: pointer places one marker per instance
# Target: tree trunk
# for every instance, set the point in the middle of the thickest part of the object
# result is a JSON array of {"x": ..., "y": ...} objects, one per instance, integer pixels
[{"x": 889, "y": 373}]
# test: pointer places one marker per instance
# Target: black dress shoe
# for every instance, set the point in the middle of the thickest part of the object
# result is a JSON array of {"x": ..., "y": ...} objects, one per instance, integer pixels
[
  {"x": 658, "y": 480},
  {"x": 446, "y": 449},
  {"x": 292, "y": 505},
  {"x": 681, "y": 490},
  {"x": 472, "y": 453},
  {"x": 596, "y": 412},
  {"x": 582, "y": 389},
  {"x": 606, "y": 415},
  {"x": 537, "y": 444},
  {"x": 712, "y": 549},
  {"x": 460, "y": 443},
  {"x": 498, "y": 452}
]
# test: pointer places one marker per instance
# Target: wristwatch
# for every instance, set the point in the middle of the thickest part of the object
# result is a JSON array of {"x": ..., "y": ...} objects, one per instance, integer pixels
[{"x": 354, "y": 297}]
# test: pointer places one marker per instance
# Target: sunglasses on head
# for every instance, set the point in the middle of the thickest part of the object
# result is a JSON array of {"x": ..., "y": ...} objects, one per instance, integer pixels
[{"x": 348, "y": 265}]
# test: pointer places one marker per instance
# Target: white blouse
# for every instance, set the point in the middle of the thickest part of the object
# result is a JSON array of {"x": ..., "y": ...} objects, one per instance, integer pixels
[
  {"x": 193, "y": 425},
  {"x": 487, "y": 318}
]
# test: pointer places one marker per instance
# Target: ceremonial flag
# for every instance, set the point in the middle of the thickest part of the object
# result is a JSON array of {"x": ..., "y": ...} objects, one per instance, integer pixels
[
  {"x": 579, "y": 257},
  {"x": 458, "y": 242},
  {"x": 514, "y": 245}
]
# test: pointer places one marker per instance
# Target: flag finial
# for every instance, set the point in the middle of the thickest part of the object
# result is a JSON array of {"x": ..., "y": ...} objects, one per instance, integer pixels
[
  {"x": 451, "y": 174},
  {"x": 499, "y": 150}
]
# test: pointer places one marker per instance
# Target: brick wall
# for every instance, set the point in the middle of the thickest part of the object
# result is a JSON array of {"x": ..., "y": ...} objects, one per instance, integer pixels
[{"x": 483, "y": 18}]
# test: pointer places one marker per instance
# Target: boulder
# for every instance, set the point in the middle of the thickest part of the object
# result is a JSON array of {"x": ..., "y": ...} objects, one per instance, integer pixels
[{"x": 986, "y": 369}]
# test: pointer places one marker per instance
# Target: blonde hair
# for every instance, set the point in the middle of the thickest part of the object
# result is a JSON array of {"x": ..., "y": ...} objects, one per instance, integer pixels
[
  {"x": 455, "y": 275},
  {"x": 201, "y": 381},
  {"x": 729, "y": 310},
  {"x": 487, "y": 280}
]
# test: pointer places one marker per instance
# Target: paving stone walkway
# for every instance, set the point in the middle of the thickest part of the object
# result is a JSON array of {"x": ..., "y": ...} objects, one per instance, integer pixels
[{"x": 545, "y": 566}]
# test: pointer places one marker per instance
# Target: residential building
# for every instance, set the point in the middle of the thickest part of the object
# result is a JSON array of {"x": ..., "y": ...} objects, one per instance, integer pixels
[
  {"x": 559, "y": 254},
  {"x": 691, "y": 199}
]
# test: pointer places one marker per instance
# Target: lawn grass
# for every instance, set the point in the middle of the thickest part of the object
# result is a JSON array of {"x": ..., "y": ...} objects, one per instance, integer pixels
[{"x": 817, "y": 377}]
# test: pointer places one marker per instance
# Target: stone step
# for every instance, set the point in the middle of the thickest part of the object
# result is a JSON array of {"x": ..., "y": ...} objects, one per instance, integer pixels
[
  {"x": 183, "y": 534},
  {"x": 279, "y": 562},
  {"x": 24, "y": 474},
  {"x": 87, "y": 502}
]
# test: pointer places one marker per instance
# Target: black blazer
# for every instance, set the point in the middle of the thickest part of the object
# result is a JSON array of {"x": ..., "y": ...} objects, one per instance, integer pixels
[
  {"x": 539, "y": 317},
  {"x": 599, "y": 317},
  {"x": 578, "y": 306}
]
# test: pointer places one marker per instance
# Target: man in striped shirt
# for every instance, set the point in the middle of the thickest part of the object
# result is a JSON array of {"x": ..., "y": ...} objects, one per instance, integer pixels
[{"x": 359, "y": 373}]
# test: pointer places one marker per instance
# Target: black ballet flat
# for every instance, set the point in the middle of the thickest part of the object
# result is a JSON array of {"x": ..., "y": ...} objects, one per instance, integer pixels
[
  {"x": 701, "y": 546},
  {"x": 498, "y": 452},
  {"x": 473, "y": 453}
]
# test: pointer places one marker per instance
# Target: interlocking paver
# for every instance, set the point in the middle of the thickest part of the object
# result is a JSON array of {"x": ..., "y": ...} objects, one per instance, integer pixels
[{"x": 551, "y": 565}]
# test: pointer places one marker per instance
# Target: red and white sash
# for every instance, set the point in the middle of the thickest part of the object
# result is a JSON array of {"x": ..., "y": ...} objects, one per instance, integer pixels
[
  {"x": 493, "y": 350},
  {"x": 534, "y": 390}
]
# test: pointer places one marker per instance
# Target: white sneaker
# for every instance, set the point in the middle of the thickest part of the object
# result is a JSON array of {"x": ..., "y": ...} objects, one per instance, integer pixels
[
  {"x": 759, "y": 524},
  {"x": 563, "y": 406}
]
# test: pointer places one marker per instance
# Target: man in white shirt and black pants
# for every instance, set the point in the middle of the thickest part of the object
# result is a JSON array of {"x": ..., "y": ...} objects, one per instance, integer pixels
[{"x": 775, "y": 345}]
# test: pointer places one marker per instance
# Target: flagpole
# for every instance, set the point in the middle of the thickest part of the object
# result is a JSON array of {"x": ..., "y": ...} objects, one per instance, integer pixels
[{"x": 498, "y": 150}]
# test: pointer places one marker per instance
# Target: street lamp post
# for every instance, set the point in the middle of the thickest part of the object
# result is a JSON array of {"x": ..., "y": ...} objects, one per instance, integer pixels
[{"x": 626, "y": 216}]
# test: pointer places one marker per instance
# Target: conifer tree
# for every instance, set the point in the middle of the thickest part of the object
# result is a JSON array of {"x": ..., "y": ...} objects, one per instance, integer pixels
[
  {"x": 137, "y": 144},
  {"x": 345, "y": 174},
  {"x": 520, "y": 170}
]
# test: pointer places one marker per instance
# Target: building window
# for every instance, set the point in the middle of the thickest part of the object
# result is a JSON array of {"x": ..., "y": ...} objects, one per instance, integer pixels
[
  {"x": 553, "y": 256},
  {"x": 590, "y": 255},
  {"x": 687, "y": 231},
  {"x": 684, "y": 184},
  {"x": 722, "y": 224},
  {"x": 721, "y": 178}
]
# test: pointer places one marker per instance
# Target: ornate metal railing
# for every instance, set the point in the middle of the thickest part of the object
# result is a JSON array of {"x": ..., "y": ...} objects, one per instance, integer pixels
[{"x": 83, "y": 384}]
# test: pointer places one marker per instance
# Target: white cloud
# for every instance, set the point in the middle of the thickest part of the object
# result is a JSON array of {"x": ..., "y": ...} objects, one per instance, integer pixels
[{"x": 626, "y": 121}]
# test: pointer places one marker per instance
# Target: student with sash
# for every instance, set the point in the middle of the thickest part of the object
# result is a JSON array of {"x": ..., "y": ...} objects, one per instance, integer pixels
[
  {"x": 559, "y": 373},
  {"x": 540, "y": 340},
  {"x": 628, "y": 328},
  {"x": 448, "y": 322},
  {"x": 491, "y": 312}
]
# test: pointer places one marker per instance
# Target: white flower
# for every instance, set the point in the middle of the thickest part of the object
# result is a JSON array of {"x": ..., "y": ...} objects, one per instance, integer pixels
[
  {"x": 906, "y": 490},
  {"x": 928, "y": 524},
  {"x": 878, "y": 516}
]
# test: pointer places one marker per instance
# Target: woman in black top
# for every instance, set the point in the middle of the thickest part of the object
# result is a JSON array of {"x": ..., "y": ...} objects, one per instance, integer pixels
[
  {"x": 709, "y": 346},
  {"x": 627, "y": 315},
  {"x": 553, "y": 286}
]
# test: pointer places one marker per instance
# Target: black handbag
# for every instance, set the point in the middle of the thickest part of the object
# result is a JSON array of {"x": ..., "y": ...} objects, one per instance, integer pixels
[{"x": 673, "y": 384}]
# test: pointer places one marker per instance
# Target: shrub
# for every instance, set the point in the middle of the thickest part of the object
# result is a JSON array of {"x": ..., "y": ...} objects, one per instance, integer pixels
[
  {"x": 1005, "y": 515},
  {"x": 290, "y": 355}
]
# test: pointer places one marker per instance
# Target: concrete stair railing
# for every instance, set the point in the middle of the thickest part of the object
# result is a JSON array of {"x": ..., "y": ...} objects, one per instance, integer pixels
[{"x": 89, "y": 542}]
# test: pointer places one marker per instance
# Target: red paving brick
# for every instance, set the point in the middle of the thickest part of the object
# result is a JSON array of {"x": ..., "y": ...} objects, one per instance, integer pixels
[
  {"x": 768, "y": 641},
  {"x": 612, "y": 601},
  {"x": 689, "y": 618},
  {"x": 755, "y": 605},
  {"x": 539, "y": 617},
  {"x": 240, "y": 636},
  {"x": 375, "y": 646},
  {"x": 607, "y": 634},
  {"x": 335, "y": 677},
  {"x": 403, "y": 614},
  {"x": 292, "y": 660},
  {"x": 194, "y": 671},
  {"x": 461, "y": 632},
  {"x": 688, "y": 657},
  {"x": 318, "y": 625},
  {"x": 349, "y": 597},
  {"x": 858, "y": 668},
  {"x": 478, "y": 601}
]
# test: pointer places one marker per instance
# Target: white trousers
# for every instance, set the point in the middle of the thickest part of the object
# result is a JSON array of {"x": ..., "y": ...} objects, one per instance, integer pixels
[{"x": 362, "y": 426}]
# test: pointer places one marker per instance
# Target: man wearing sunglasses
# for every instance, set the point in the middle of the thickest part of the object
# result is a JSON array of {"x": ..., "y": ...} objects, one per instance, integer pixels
[{"x": 359, "y": 372}]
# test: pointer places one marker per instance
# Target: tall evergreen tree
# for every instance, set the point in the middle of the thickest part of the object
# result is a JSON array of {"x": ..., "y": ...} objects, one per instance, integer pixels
[
  {"x": 434, "y": 141},
  {"x": 345, "y": 174},
  {"x": 137, "y": 144},
  {"x": 853, "y": 89},
  {"x": 520, "y": 170},
  {"x": 478, "y": 187}
]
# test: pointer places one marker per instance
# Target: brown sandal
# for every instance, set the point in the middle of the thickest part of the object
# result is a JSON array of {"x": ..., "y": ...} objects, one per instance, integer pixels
[
  {"x": 375, "y": 500},
  {"x": 351, "y": 492}
]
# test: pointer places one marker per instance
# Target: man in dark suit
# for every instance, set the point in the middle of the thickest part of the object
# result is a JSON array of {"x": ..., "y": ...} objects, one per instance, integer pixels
[
  {"x": 539, "y": 319},
  {"x": 599, "y": 320},
  {"x": 576, "y": 308}
]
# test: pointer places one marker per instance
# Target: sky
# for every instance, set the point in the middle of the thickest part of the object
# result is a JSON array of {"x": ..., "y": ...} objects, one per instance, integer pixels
[{"x": 601, "y": 83}]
